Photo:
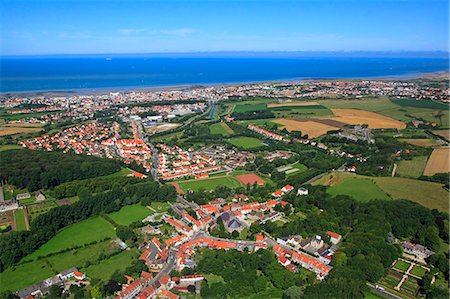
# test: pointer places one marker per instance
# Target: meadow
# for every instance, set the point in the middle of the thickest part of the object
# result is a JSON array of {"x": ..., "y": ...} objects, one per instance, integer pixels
[
  {"x": 78, "y": 234},
  {"x": 106, "y": 268},
  {"x": 426, "y": 142},
  {"x": 19, "y": 217},
  {"x": 359, "y": 188},
  {"x": 209, "y": 184},
  {"x": 246, "y": 142},
  {"x": 221, "y": 128},
  {"x": 130, "y": 214},
  {"x": 412, "y": 168}
]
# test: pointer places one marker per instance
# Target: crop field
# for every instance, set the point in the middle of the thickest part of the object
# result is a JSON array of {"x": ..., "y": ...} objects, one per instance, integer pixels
[
  {"x": 359, "y": 188},
  {"x": 439, "y": 162},
  {"x": 130, "y": 214},
  {"x": 221, "y": 128},
  {"x": 17, "y": 129},
  {"x": 19, "y": 217},
  {"x": 443, "y": 133},
  {"x": 412, "y": 168},
  {"x": 311, "y": 128},
  {"x": 292, "y": 104},
  {"x": 358, "y": 117},
  {"x": 301, "y": 111},
  {"x": 209, "y": 184},
  {"x": 84, "y": 232},
  {"x": 106, "y": 268},
  {"x": 401, "y": 265},
  {"x": 385, "y": 106},
  {"x": 428, "y": 194},
  {"x": 246, "y": 142},
  {"x": 427, "y": 142}
]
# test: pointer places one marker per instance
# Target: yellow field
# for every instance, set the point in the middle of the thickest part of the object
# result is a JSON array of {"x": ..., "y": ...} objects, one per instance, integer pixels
[
  {"x": 374, "y": 120},
  {"x": 439, "y": 162},
  {"x": 12, "y": 129},
  {"x": 420, "y": 142},
  {"x": 443, "y": 133},
  {"x": 312, "y": 128},
  {"x": 288, "y": 104}
]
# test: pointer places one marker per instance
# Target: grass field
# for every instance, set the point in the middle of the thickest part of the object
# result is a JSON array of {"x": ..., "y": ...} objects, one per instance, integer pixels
[
  {"x": 8, "y": 147},
  {"x": 428, "y": 194},
  {"x": 106, "y": 268},
  {"x": 23, "y": 275},
  {"x": 160, "y": 206},
  {"x": 439, "y": 162},
  {"x": 427, "y": 142},
  {"x": 209, "y": 184},
  {"x": 418, "y": 271},
  {"x": 301, "y": 111},
  {"x": 221, "y": 128},
  {"x": 401, "y": 265},
  {"x": 412, "y": 168},
  {"x": 93, "y": 229},
  {"x": 19, "y": 216},
  {"x": 385, "y": 106},
  {"x": 246, "y": 142},
  {"x": 359, "y": 188},
  {"x": 130, "y": 214},
  {"x": 122, "y": 172}
]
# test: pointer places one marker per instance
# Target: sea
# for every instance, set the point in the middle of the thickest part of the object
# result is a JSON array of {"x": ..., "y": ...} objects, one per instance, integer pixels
[{"x": 124, "y": 73}]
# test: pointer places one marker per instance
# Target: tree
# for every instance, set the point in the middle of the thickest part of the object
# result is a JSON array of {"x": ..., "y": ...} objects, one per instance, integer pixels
[
  {"x": 125, "y": 233},
  {"x": 111, "y": 287},
  {"x": 54, "y": 292},
  {"x": 95, "y": 292},
  {"x": 293, "y": 292}
]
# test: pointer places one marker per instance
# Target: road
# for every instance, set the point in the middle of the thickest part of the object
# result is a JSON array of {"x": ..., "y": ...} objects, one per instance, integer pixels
[
  {"x": 190, "y": 204},
  {"x": 383, "y": 292}
]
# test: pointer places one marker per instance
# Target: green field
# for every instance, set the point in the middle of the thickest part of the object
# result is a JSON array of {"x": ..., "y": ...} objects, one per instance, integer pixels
[
  {"x": 7, "y": 147},
  {"x": 412, "y": 168},
  {"x": 78, "y": 234},
  {"x": 23, "y": 275},
  {"x": 401, "y": 265},
  {"x": 106, "y": 268},
  {"x": 359, "y": 188},
  {"x": 428, "y": 194},
  {"x": 293, "y": 169},
  {"x": 209, "y": 184},
  {"x": 122, "y": 172},
  {"x": 246, "y": 142},
  {"x": 385, "y": 106},
  {"x": 301, "y": 111},
  {"x": 418, "y": 271},
  {"x": 19, "y": 216},
  {"x": 220, "y": 128},
  {"x": 130, "y": 214}
]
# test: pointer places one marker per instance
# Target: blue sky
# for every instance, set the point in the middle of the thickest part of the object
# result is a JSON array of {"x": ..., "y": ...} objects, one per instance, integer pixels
[{"x": 77, "y": 27}]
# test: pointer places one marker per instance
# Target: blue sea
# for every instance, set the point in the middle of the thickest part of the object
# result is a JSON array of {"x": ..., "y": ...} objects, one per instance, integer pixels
[{"x": 19, "y": 74}]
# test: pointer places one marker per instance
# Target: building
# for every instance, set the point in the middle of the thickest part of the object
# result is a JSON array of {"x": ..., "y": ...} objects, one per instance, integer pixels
[
  {"x": 417, "y": 250},
  {"x": 334, "y": 237},
  {"x": 302, "y": 191}
]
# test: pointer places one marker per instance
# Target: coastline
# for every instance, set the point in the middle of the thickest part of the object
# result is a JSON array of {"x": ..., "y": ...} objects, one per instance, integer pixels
[{"x": 444, "y": 74}]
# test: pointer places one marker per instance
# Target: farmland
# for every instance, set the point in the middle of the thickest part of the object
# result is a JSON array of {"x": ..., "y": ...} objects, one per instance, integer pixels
[
  {"x": 292, "y": 104},
  {"x": 360, "y": 188},
  {"x": 426, "y": 142},
  {"x": 412, "y": 168},
  {"x": 246, "y": 142},
  {"x": 443, "y": 133},
  {"x": 311, "y": 128},
  {"x": 438, "y": 161},
  {"x": 130, "y": 214},
  {"x": 209, "y": 184},
  {"x": 358, "y": 117},
  {"x": 84, "y": 232},
  {"x": 12, "y": 129}
]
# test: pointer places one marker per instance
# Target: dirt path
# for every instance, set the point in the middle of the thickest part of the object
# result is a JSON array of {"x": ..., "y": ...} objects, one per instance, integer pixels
[{"x": 25, "y": 215}]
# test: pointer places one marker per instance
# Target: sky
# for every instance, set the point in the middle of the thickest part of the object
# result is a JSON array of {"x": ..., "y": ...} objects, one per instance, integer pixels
[{"x": 92, "y": 27}]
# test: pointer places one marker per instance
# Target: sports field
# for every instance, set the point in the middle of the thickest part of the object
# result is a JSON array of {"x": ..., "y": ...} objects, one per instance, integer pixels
[
  {"x": 359, "y": 188},
  {"x": 250, "y": 178},
  {"x": 130, "y": 214},
  {"x": 412, "y": 168},
  {"x": 221, "y": 128},
  {"x": 209, "y": 184},
  {"x": 19, "y": 217},
  {"x": 246, "y": 142},
  {"x": 84, "y": 232},
  {"x": 439, "y": 162}
]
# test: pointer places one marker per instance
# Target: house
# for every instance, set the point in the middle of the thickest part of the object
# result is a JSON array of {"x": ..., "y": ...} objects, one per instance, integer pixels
[
  {"x": 23, "y": 196},
  {"x": 302, "y": 191},
  {"x": 79, "y": 275},
  {"x": 39, "y": 196},
  {"x": 287, "y": 188},
  {"x": 417, "y": 250},
  {"x": 334, "y": 237},
  {"x": 278, "y": 193}
]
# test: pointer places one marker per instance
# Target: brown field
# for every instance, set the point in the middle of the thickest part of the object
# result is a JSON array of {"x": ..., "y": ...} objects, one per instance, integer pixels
[
  {"x": 250, "y": 179},
  {"x": 420, "y": 142},
  {"x": 288, "y": 104},
  {"x": 12, "y": 129},
  {"x": 177, "y": 187},
  {"x": 310, "y": 127},
  {"x": 439, "y": 162},
  {"x": 443, "y": 133},
  {"x": 374, "y": 120}
]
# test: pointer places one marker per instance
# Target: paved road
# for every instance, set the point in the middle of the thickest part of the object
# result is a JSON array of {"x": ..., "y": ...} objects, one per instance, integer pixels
[
  {"x": 191, "y": 204},
  {"x": 383, "y": 292}
]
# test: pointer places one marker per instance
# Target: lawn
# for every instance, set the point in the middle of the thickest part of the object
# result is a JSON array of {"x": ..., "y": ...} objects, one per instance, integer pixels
[
  {"x": 418, "y": 271},
  {"x": 106, "y": 268},
  {"x": 19, "y": 216},
  {"x": 160, "y": 206},
  {"x": 359, "y": 188},
  {"x": 130, "y": 214},
  {"x": 428, "y": 194},
  {"x": 220, "y": 128},
  {"x": 401, "y": 265},
  {"x": 87, "y": 231},
  {"x": 208, "y": 184},
  {"x": 23, "y": 275},
  {"x": 412, "y": 168},
  {"x": 246, "y": 142}
]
